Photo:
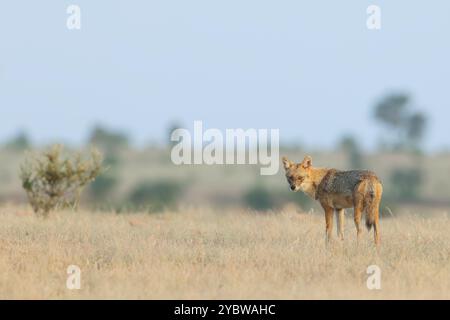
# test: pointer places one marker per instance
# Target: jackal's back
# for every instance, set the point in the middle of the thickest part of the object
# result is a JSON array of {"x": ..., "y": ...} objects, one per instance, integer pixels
[{"x": 343, "y": 182}]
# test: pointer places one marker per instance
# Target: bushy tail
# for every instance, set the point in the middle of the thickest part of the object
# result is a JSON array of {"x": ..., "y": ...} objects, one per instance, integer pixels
[{"x": 371, "y": 205}]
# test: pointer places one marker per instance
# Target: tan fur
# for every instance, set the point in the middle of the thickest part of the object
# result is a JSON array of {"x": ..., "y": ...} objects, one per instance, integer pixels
[{"x": 337, "y": 190}]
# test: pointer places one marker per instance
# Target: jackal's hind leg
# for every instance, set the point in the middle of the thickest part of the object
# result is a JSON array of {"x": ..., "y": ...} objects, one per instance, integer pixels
[
  {"x": 358, "y": 208},
  {"x": 376, "y": 225}
]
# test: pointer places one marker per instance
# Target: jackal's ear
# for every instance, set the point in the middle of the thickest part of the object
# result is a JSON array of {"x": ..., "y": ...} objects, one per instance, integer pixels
[
  {"x": 307, "y": 162},
  {"x": 287, "y": 163}
]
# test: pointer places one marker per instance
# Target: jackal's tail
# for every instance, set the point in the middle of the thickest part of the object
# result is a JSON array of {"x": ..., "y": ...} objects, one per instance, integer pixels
[{"x": 372, "y": 201}]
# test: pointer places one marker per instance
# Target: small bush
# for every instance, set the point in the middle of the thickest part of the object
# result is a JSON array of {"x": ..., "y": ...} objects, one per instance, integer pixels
[{"x": 53, "y": 182}]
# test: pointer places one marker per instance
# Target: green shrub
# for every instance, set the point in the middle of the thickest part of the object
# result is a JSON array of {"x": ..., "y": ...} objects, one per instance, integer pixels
[
  {"x": 52, "y": 182},
  {"x": 155, "y": 196},
  {"x": 259, "y": 198},
  {"x": 101, "y": 190},
  {"x": 299, "y": 198},
  {"x": 103, "y": 187},
  {"x": 405, "y": 183}
]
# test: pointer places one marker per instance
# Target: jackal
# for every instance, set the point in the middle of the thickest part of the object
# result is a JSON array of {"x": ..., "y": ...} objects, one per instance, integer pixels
[{"x": 337, "y": 190}]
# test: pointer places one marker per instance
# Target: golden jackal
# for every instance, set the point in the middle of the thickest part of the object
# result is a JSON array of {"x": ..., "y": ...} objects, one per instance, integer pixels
[{"x": 337, "y": 190}]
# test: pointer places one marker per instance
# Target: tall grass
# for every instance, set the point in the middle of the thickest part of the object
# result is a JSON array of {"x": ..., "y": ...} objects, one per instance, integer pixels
[{"x": 200, "y": 253}]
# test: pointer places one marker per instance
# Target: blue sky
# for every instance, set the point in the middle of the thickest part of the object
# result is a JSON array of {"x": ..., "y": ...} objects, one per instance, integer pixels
[{"x": 311, "y": 69}]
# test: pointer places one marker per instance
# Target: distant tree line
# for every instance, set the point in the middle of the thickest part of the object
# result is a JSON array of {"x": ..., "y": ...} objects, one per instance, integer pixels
[{"x": 403, "y": 130}]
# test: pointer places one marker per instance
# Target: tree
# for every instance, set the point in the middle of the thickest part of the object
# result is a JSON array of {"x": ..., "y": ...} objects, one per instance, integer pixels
[
  {"x": 407, "y": 127},
  {"x": 351, "y": 148},
  {"x": 416, "y": 128},
  {"x": 107, "y": 140},
  {"x": 391, "y": 110},
  {"x": 19, "y": 143},
  {"x": 174, "y": 125}
]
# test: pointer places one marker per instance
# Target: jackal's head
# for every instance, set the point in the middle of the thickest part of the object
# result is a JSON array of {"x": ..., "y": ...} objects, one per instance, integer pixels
[{"x": 297, "y": 174}]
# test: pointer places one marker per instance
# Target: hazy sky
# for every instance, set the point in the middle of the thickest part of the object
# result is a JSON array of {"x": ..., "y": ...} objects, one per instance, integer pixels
[{"x": 310, "y": 68}]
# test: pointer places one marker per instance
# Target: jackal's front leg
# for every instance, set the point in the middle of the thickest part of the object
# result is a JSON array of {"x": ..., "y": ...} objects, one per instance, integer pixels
[
  {"x": 328, "y": 222},
  {"x": 340, "y": 223}
]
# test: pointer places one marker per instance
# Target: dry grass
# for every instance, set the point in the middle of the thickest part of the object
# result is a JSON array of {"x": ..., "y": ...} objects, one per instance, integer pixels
[{"x": 202, "y": 254}]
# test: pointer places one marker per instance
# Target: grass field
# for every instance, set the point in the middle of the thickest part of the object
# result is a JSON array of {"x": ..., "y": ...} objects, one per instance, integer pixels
[{"x": 206, "y": 254}]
